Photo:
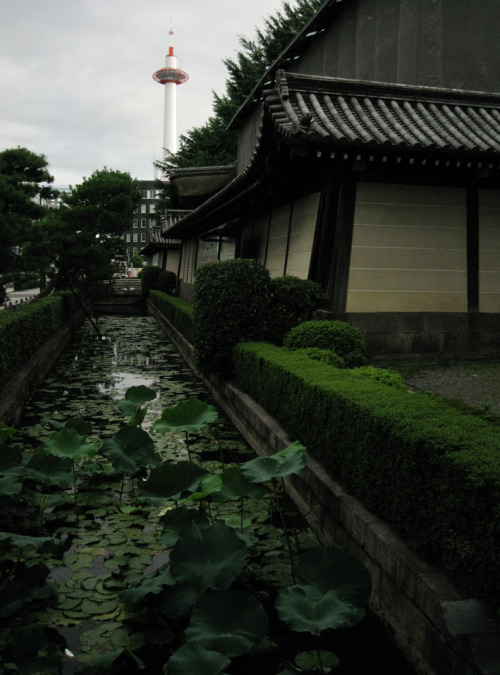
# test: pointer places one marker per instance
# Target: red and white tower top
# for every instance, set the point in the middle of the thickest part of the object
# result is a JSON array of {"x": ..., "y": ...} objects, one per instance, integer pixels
[{"x": 170, "y": 76}]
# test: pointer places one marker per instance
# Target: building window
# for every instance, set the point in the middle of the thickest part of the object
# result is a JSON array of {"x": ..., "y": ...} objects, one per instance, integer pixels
[
  {"x": 143, "y": 222},
  {"x": 127, "y": 236},
  {"x": 135, "y": 250},
  {"x": 136, "y": 237},
  {"x": 135, "y": 223},
  {"x": 143, "y": 236},
  {"x": 144, "y": 208}
]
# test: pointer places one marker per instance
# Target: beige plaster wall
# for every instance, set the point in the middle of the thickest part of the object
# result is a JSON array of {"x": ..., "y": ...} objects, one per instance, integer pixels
[
  {"x": 489, "y": 251},
  {"x": 304, "y": 217},
  {"x": 188, "y": 261},
  {"x": 409, "y": 250}
]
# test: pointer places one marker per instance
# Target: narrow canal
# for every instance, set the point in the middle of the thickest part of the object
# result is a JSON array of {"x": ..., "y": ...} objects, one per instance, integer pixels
[{"x": 112, "y": 536}]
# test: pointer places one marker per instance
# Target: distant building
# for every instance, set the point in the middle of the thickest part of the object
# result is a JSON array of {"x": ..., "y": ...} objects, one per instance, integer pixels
[{"x": 143, "y": 223}]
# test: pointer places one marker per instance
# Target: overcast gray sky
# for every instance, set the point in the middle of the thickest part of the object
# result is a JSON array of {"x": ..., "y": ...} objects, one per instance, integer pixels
[{"x": 76, "y": 75}]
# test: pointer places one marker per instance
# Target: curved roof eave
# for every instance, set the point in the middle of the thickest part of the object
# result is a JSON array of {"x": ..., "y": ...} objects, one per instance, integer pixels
[{"x": 290, "y": 53}]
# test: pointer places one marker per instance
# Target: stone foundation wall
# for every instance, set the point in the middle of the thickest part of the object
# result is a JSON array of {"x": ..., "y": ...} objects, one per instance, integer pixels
[{"x": 426, "y": 334}]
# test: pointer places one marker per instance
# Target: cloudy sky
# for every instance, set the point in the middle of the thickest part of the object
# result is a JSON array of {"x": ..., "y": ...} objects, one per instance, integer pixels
[{"x": 76, "y": 75}]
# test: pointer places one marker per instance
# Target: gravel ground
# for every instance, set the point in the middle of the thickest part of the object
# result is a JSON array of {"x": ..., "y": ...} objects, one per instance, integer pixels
[{"x": 475, "y": 383}]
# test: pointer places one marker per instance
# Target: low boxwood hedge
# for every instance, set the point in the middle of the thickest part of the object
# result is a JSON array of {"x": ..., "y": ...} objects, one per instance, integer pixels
[
  {"x": 177, "y": 311},
  {"x": 25, "y": 329},
  {"x": 428, "y": 469}
]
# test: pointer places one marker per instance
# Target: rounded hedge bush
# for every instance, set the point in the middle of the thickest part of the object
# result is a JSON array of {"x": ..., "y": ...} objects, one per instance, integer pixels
[
  {"x": 292, "y": 301},
  {"x": 149, "y": 279},
  {"x": 339, "y": 336},
  {"x": 230, "y": 300},
  {"x": 166, "y": 282}
]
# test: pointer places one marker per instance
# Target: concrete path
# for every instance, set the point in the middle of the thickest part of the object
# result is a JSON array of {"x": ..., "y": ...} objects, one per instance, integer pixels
[{"x": 18, "y": 297}]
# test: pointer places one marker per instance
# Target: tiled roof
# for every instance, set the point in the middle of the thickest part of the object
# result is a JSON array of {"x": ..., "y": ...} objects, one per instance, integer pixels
[
  {"x": 159, "y": 243},
  {"x": 377, "y": 115}
]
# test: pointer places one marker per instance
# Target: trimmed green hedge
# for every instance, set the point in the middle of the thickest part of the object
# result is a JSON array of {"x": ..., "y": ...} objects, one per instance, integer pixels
[
  {"x": 177, "y": 311},
  {"x": 25, "y": 329},
  {"x": 428, "y": 469}
]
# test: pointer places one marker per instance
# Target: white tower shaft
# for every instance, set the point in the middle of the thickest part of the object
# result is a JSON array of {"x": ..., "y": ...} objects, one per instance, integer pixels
[{"x": 170, "y": 111}]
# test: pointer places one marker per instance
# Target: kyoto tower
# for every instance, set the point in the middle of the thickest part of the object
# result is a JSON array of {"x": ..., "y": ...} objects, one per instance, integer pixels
[{"x": 170, "y": 76}]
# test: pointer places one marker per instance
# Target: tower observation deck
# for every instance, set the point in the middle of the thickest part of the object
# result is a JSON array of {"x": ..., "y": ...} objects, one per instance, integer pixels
[{"x": 170, "y": 76}]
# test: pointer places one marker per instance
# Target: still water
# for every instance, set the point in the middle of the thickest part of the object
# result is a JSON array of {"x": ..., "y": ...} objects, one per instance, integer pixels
[{"x": 112, "y": 542}]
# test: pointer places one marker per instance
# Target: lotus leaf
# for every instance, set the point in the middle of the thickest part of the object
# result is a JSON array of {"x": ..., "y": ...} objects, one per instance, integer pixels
[
  {"x": 210, "y": 485},
  {"x": 230, "y": 622},
  {"x": 235, "y": 485},
  {"x": 289, "y": 461},
  {"x": 50, "y": 469},
  {"x": 130, "y": 450},
  {"x": 6, "y": 432},
  {"x": 27, "y": 584},
  {"x": 210, "y": 558},
  {"x": 176, "y": 521},
  {"x": 307, "y": 609},
  {"x": 190, "y": 416},
  {"x": 146, "y": 585},
  {"x": 317, "y": 660},
  {"x": 172, "y": 479},
  {"x": 192, "y": 658},
  {"x": 68, "y": 443},
  {"x": 46, "y": 544},
  {"x": 32, "y": 652},
  {"x": 333, "y": 568}
]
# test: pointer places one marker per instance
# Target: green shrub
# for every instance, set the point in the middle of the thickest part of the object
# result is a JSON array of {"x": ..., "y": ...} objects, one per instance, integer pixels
[
  {"x": 25, "y": 329},
  {"x": 177, "y": 311},
  {"x": 292, "y": 302},
  {"x": 149, "y": 279},
  {"x": 383, "y": 375},
  {"x": 344, "y": 339},
  {"x": 166, "y": 282},
  {"x": 324, "y": 355},
  {"x": 430, "y": 471},
  {"x": 229, "y": 306}
]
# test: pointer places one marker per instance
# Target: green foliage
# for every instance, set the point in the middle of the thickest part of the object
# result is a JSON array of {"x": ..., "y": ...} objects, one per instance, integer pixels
[
  {"x": 149, "y": 279},
  {"x": 177, "y": 311},
  {"x": 212, "y": 144},
  {"x": 429, "y": 470},
  {"x": 28, "y": 327},
  {"x": 81, "y": 238},
  {"x": 228, "y": 308},
  {"x": 22, "y": 173},
  {"x": 137, "y": 260},
  {"x": 292, "y": 301},
  {"x": 190, "y": 416},
  {"x": 166, "y": 281},
  {"x": 384, "y": 375},
  {"x": 344, "y": 339},
  {"x": 327, "y": 356},
  {"x": 228, "y": 622}
]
